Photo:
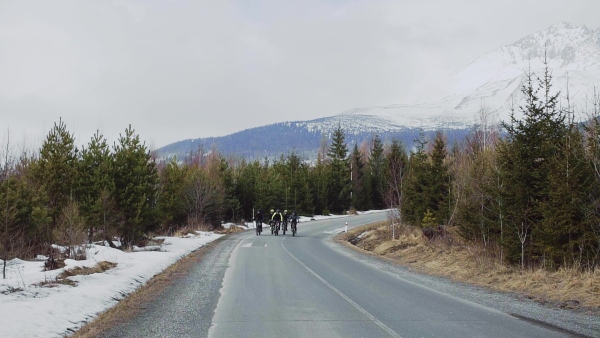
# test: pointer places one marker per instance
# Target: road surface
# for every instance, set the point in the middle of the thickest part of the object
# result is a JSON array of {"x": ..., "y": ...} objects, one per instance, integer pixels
[{"x": 308, "y": 286}]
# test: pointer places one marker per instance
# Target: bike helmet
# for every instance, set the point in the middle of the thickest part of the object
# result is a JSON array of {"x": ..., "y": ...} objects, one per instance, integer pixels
[
  {"x": 285, "y": 211},
  {"x": 272, "y": 211},
  {"x": 277, "y": 210}
]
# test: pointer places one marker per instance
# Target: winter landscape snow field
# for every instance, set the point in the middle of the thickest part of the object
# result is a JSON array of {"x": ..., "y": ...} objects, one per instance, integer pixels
[
  {"x": 32, "y": 304},
  {"x": 38, "y": 303}
]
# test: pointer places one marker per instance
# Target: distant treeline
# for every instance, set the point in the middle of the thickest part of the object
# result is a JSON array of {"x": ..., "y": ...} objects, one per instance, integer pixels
[
  {"x": 284, "y": 138},
  {"x": 532, "y": 194}
]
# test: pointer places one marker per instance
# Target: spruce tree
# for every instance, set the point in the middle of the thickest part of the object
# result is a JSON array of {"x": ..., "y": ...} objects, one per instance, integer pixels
[
  {"x": 397, "y": 165},
  {"x": 438, "y": 195},
  {"x": 376, "y": 168},
  {"x": 359, "y": 200},
  {"x": 561, "y": 234},
  {"x": 338, "y": 184},
  {"x": 525, "y": 160},
  {"x": 295, "y": 185},
  {"x": 417, "y": 183}
]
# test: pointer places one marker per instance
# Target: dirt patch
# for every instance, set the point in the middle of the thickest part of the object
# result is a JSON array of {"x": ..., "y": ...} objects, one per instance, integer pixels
[{"x": 450, "y": 257}]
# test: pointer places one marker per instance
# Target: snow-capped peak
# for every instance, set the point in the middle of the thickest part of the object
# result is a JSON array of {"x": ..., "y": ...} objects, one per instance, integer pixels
[{"x": 494, "y": 80}]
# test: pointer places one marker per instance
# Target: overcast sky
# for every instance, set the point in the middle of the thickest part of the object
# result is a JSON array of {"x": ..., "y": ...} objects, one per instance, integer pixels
[{"x": 176, "y": 70}]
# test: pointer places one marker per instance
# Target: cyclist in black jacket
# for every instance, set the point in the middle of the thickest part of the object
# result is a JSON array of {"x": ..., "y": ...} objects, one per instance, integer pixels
[
  {"x": 294, "y": 221},
  {"x": 259, "y": 221}
]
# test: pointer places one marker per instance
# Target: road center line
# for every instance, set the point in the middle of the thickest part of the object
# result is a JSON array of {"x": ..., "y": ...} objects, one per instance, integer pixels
[{"x": 341, "y": 294}]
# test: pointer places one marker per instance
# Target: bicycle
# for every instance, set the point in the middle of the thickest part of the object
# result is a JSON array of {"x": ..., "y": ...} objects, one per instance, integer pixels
[
  {"x": 285, "y": 222},
  {"x": 294, "y": 229},
  {"x": 258, "y": 228},
  {"x": 276, "y": 226}
]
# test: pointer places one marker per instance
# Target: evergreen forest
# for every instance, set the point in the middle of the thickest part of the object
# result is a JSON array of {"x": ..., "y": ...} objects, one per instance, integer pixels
[{"x": 528, "y": 187}]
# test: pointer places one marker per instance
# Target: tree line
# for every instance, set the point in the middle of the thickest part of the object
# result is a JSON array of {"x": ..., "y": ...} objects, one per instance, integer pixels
[{"x": 528, "y": 187}]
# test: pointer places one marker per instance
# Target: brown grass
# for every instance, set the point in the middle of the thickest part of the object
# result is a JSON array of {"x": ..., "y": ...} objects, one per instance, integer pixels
[
  {"x": 451, "y": 258},
  {"x": 78, "y": 271},
  {"x": 63, "y": 279},
  {"x": 231, "y": 230}
]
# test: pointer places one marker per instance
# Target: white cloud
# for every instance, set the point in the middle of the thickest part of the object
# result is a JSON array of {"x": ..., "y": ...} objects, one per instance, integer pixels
[{"x": 187, "y": 69}]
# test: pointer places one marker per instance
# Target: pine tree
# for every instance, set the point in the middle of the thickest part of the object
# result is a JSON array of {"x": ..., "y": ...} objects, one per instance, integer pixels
[
  {"x": 136, "y": 186},
  {"x": 232, "y": 205},
  {"x": 246, "y": 180},
  {"x": 55, "y": 172},
  {"x": 429, "y": 219},
  {"x": 171, "y": 203},
  {"x": 264, "y": 200},
  {"x": 96, "y": 184}
]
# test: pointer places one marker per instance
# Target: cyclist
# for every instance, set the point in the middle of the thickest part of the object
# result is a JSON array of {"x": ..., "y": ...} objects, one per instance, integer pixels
[
  {"x": 276, "y": 220},
  {"x": 294, "y": 221},
  {"x": 259, "y": 221},
  {"x": 270, "y": 217},
  {"x": 285, "y": 220}
]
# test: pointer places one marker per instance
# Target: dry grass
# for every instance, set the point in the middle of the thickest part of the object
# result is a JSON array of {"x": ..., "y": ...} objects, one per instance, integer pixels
[
  {"x": 449, "y": 257},
  {"x": 231, "y": 230},
  {"x": 63, "y": 279},
  {"x": 79, "y": 271}
]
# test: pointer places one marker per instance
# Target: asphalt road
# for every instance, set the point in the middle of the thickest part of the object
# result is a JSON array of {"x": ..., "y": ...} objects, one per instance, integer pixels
[{"x": 308, "y": 286}]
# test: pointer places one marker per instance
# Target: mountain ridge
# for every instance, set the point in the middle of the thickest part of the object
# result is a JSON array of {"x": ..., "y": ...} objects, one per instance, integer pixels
[{"x": 491, "y": 82}]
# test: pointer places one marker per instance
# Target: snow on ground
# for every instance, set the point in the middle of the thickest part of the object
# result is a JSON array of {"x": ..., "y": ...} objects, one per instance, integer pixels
[{"x": 28, "y": 309}]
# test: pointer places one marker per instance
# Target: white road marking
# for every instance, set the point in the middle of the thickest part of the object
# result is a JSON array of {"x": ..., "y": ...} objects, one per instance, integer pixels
[
  {"x": 250, "y": 245},
  {"x": 335, "y": 231},
  {"x": 341, "y": 294}
]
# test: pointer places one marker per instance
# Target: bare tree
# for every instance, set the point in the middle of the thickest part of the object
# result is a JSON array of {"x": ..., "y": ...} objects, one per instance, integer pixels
[
  {"x": 112, "y": 219},
  {"x": 71, "y": 230},
  {"x": 201, "y": 197},
  {"x": 593, "y": 152},
  {"x": 8, "y": 234},
  {"x": 394, "y": 195},
  {"x": 522, "y": 232},
  {"x": 487, "y": 128}
]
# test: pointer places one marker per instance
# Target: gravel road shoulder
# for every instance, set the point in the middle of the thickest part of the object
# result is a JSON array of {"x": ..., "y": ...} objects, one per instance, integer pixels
[{"x": 165, "y": 299}]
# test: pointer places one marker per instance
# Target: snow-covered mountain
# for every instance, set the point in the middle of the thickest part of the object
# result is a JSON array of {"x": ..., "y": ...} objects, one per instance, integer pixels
[{"x": 492, "y": 81}]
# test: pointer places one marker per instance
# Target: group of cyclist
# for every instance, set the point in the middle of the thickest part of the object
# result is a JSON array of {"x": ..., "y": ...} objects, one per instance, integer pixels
[{"x": 277, "y": 220}]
